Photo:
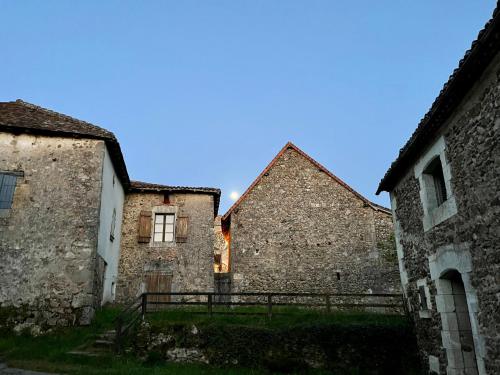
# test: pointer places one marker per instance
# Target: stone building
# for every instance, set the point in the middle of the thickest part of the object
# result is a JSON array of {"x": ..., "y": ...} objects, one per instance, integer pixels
[
  {"x": 300, "y": 228},
  {"x": 167, "y": 240},
  {"x": 221, "y": 251},
  {"x": 62, "y": 184},
  {"x": 445, "y": 197}
]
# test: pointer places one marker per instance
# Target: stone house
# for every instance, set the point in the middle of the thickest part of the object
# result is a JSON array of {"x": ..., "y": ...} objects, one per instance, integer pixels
[
  {"x": 298, "y": 227},
  {"x": 445, "y": 197},
  {"x": 62, "y": 187},
  {"x": 221, "y": 251},
  {"x": 167, "y": 240}
]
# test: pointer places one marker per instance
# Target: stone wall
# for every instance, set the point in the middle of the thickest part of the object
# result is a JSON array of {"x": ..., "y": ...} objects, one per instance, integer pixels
[
  {"x": 48, "y": 239},
  {"x": 300, "y": 230},
  {"x": 357, "y": 348},
  {"x": 472, "y": 150},
  {"x": 189, "y": 263}
]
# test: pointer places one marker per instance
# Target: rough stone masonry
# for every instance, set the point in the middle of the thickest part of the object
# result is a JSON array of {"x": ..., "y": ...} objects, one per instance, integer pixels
[
  {"x": 448, "y": 222},
  {"x": 186, "y": 262},
  {"x": 299, "y": 228},
  {"x": 48, "y": 239}
]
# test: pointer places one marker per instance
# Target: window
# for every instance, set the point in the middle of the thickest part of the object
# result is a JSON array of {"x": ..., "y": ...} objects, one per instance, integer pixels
[
  {"x": 434, "y": 175},
  {"x": 7, "y": 187},
  {"x": 423, "y": 298},
  {"x": 434, "y": 171},
  {"x": 164, "y": 228},
  {"x": 113, "y": 224}
]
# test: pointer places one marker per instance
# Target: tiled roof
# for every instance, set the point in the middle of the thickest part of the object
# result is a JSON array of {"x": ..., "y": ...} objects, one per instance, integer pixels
[
  {"x": 138, "y": 186},
  {"x": 469, "y": 69},
  {"x": 290, "y": 145},
  {"x": 23, "y": 117}
]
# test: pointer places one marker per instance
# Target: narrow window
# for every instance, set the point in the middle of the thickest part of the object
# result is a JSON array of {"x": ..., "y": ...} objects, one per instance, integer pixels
[
  {"x": 164, "y": 228},
  {"x": 338, "y": 275},
  {"x": 113, "y": 224},
  {"x": 435, "y": 171},
  {"x": 423, "y": 298},
  {"x": 7, "y": 187}
]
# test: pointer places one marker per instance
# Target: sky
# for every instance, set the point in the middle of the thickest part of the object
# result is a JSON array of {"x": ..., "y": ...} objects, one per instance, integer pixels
[{"x": 205, "y": 93}]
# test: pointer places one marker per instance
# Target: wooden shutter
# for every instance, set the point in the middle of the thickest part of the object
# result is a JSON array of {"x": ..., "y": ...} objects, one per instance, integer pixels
[
  {"x": 145, "y": 226},
  {"x": 181, "y": 230}
]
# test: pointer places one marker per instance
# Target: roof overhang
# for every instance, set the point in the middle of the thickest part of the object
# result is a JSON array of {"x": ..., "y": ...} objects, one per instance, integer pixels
[{"x": 470, "y": 69}]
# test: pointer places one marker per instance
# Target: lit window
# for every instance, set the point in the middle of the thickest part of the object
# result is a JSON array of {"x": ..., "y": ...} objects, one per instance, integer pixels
[
  {"x": 164, "y": 228},
  {"x": 7, "y": 187}
]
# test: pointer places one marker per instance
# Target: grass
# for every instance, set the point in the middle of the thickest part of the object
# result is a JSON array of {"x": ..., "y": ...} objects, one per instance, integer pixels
[
  {"x": 283, "y": 317},
  {"x": 50, "y": 352}
]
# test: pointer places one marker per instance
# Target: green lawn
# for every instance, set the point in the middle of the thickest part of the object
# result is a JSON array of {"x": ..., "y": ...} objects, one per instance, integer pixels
[
  {"x": 282, "y": 317},
  {"x": 50, "y": 352}
]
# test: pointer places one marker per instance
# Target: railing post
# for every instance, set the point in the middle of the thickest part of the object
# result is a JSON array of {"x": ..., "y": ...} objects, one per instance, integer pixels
[
  {"x": 327, "y": 302},
  {"x": 209, "y": 303},
  {"x": 404, "y": 302},
  {"x": 144, "y": 304},
  {"x": 118, "y": 334},
  {"x": 269, "y": 306}
]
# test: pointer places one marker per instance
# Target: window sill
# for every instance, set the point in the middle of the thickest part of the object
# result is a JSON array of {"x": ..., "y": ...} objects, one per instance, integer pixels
[
  {"x": 424, "y": 314},
  {"x": 162, "y": 244},
  {"x": 440, "y": 214}
]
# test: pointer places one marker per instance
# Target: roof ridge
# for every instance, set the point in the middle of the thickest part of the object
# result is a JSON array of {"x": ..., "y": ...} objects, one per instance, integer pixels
[
  {"x": 160, "y": 186},
  {"x": 61, "y": 115},
  {"x": 288, "y": 145}
]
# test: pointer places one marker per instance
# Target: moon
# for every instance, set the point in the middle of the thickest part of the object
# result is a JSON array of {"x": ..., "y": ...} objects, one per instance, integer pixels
[{"x": 234, "y": 195}]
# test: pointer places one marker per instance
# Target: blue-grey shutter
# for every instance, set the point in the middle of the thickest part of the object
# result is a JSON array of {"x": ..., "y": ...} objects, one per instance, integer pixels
[{"x": 7, "y": 187}]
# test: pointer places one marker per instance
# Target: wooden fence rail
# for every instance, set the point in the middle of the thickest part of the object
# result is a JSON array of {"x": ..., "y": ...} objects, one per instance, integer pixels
[{"x": 148, "y": 302}]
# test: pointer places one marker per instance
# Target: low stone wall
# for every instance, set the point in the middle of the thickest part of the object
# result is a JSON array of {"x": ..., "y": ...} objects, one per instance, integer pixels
[{"x": 343, "y": 349}]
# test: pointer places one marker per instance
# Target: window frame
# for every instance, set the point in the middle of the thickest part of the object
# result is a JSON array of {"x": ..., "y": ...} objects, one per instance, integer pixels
[
  {"x": 435, "y": 212},
  {"x": 437, "y": 193},
  {"x": 164, "y": 224},
  {"x": 424, "y": 299}
]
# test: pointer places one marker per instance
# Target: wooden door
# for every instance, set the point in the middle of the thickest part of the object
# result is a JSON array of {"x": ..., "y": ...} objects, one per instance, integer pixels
[{"x": 158, "y": 282}]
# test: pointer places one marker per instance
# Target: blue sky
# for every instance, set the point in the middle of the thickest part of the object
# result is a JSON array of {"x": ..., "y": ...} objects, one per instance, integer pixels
[{"x": 205, "y": 93}]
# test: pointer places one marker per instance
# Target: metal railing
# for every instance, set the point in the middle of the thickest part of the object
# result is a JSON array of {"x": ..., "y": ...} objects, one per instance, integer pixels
[{"x": 127, "y": 319}]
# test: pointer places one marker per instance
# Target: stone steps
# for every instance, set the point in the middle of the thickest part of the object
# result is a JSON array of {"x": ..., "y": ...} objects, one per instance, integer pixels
[{"x": 103, "y": 344}]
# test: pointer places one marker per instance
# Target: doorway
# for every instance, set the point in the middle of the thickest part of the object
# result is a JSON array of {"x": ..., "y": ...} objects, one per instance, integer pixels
[
  {"x": 461, "y": 355},
  {"x": 158, "y": 282}
]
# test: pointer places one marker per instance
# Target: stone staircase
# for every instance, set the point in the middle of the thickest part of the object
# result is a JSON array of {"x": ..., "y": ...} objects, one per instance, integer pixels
[{"x": 103, "y": 344}]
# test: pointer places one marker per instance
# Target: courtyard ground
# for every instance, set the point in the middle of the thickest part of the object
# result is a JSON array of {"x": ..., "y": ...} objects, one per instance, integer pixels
[{"x": 50, "y": 352}]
